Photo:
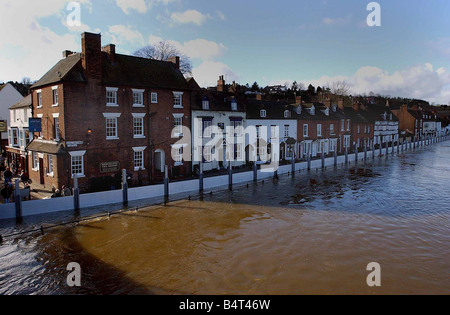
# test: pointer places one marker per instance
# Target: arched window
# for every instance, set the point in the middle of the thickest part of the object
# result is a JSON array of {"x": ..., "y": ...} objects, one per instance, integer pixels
[
  {"x": 234, "y": 105},
  {"x": 287, "y": 114}
]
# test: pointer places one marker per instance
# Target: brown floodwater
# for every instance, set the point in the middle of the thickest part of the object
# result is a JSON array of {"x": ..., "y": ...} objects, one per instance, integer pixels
[{"x": 312, "y": 234}]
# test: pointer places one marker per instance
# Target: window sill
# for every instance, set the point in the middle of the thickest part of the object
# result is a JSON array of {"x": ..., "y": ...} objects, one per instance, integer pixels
[
  {"x": 50, "y": 175},
  {"x": 139, "y": 137},
  {"x": 35, "y": 169},
  {"x": 178, "y": 135},
  {"x": 138, "y": 105},
  {"x": 137, "y": 169},
  {"x": 39, "y": 107},
  {"x": 178, "y": 164},
  {"x": 112, "y": 138},
  {"x": 112, "y": 105},
  {"x": 55, "y": 105},
  {"x": 79, "y": 175},
  {"x": 178, "y": 106}
]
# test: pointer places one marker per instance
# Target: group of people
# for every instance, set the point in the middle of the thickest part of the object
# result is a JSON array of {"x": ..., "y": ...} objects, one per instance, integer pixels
[
  {"x": 64, "y": 192},
  {"x": 7, "y": 190}
]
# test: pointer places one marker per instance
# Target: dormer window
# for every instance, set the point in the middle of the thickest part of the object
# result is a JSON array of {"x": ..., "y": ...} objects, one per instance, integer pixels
[
  {"x": 205, "y": 104},
  {"x": 263, "y": 113},
  {"x": 234, "y": 105},
  {"x": 287, "y": 114},
  {"x": 326, "y": 111},
  {"x": 312, "y": 110},
  {"x": 299, "y": 109}
]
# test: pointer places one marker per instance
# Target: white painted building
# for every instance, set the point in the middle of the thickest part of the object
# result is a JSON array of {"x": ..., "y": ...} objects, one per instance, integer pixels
[
  {"x": 217, "y": 131},
  {"x": 8, "y": 97}
]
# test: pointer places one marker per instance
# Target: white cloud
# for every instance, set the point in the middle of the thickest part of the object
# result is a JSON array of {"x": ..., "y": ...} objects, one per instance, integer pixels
[
  {"x": 122, "y": 34},
  {"x": 207, "y": 73},
  {"x": 196, "y": 49},
  {"x": 140, "y": 6},
  {"x": 221, "y": 16},
  {"x": 336, "y": 21},
  {"x": 420, "y": 81},
  {"x": 39, "y": 47},
  {"x": 189, "y": 16}
]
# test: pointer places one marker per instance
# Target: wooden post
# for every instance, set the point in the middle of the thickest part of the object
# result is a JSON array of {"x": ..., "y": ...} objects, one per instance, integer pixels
[
  {"x": 230, "y": 176},
  {"x": 124, "y": 187},
  {"x": 255, "y": 172},
  {"x": 200, "y": 179},
  {"x": 166, "y": 183}
]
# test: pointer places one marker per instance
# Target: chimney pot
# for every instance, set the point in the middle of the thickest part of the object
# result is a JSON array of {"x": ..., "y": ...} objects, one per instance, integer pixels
[
  {"x": 67, "y": 53},
  {"x": 175, "y": 60}
]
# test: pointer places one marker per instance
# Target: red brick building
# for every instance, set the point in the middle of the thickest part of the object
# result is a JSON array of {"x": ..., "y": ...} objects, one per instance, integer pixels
[{"x": 103, "y": 112}]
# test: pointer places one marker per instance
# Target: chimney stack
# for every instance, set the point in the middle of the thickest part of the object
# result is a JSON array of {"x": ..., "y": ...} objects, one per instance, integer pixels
[
  {"x": 175, "y": 60},
  {"x": 355, "y": 106},
  {"x": 298, "y": 100},
  {"x": 92, "y": 55},
  {"x": 67, "y": 53},
  {"x": 328, "y": 103},
  {"x": 259, "y": 97},
  {"x": 111, "y": 51},
  {"x": 221, "y": 84},
  {"x": 341, "y": 104}
]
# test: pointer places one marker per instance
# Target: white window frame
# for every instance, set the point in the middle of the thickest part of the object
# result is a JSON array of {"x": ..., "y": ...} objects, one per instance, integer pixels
[
  {"x": 332, "y": 129},
  {"x": 112, "y": 116},
  {"x": 115, "y": 91},
  {"x": 263, "y": 113},
  {"x": 342, "y": 124},
  {"x": 139, "y": 117},
  {"x": 34, "y": 160},
  {"x": 234, "y": 105},
  {"x": 287, "y": 114},
  {"x": 51, "y": 165},
  {"x": 319, "y": 130},
  {"x": 348, "y": 124},
  {"x": 305, "y": 130},
  {"x": 139, "y": 150},
  {"x": 39, "y": 99},
  {"x": 207, "y": 128},
  {"x": 286, "y": 131},
  {"x": 77, "y": 154},
  {"x": 176, "y": 96},
  {"x": 154, "y": 98},
  {"x": 140, "y": 94},
  {"x": 178, "y": 123},
  {"x": 55, "y": 92}
]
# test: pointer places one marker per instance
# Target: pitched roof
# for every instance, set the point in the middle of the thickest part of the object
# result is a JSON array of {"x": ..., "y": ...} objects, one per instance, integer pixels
[
  {"x": 218, "y": 101},
  {"x": 142, "y": 72},
  {"x": 65, "y": 70},
  {"x": 24, "y": 103},
  {"x": 274, "y": 109},
  {"x": 2, "y": 86},
  {"x": 125, "y": 71},
  {"x": 49, "y": 147}
]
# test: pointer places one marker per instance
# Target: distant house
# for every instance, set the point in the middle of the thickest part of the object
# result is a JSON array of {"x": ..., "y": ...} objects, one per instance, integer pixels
[
  {"x": 18, "y": 134},
  {"x": 363, "y": 125},
  {"x": 8, "y": 97},
  {"x": 416, "y": 121}
]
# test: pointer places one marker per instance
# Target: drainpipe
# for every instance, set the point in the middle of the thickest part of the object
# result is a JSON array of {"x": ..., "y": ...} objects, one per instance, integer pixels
[{"x": 150, "y": 145}]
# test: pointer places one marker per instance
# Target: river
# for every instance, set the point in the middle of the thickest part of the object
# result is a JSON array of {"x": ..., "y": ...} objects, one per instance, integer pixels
[{"x": 314, "y": 233}]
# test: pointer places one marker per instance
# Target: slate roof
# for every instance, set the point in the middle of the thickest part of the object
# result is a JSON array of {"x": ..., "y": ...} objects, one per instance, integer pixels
[
  {"x": 125, "y": 71},
  {"x": 24, "y": 103},
  {"x": 218, "y": 101},
  {"x": 65, "y": 70},
  {"x": 48, "y": 147}
]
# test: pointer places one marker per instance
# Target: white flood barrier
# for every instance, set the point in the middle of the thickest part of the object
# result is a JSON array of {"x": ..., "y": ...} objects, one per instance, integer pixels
[{"x": 210, "y": 184}]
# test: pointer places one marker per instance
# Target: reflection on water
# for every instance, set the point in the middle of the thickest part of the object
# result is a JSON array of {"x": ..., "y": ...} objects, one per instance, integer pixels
[{"x": 311, "y": 234}]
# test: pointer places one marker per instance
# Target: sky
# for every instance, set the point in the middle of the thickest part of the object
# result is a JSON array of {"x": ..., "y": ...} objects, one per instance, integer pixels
[{"x": 270, "y": 42}]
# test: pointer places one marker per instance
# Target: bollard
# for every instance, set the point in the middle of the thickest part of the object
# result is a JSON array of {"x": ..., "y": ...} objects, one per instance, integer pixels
[
  {"x": 230, "y": 177},
  {"x": 76, "y": 193},
  {"x": 124, "y": 187},
  {"x": 356, "y": 154},
  {"x": 200, "y": 179},
  {"x": 255, "y": 172},
  {"x": 387, "y": 148},
  {"x": 335, "y": 157},
  {"x": 373, "y": 149},
  {"x": 323, "y": 160},
  {"x": 166, "y": 184},
  {"x": 18, "y": 200}
]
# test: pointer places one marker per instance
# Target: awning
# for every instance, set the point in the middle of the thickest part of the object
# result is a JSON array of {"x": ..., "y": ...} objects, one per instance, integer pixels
[{"x": 42, "y": 146}]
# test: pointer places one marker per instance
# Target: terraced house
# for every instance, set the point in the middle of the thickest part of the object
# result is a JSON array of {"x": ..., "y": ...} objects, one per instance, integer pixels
[{"x": 103, "y": 112}]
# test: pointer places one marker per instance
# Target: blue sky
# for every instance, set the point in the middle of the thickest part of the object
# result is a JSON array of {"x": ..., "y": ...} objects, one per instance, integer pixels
[{"x": 269, "y": 42}]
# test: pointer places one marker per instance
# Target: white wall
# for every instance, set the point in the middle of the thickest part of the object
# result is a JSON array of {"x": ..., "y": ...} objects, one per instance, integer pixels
[{"x": 8, "y": 97}]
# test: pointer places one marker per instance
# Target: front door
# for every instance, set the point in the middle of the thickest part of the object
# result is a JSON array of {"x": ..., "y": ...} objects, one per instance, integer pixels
[{"x": 41, "y": 171}]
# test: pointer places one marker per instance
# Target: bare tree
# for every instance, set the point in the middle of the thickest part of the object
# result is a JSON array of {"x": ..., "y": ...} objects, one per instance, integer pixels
[
  {"x": 340, "y": 88},
  {"x": 163, "y": 51}
]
